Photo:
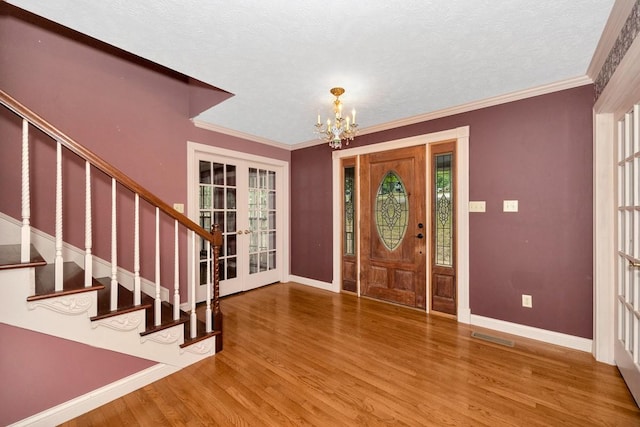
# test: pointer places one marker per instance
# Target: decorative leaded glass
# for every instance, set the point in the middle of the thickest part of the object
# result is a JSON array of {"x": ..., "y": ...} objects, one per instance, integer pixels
[
  {"x": 349, "y": 212},
  {"x": 444, "y": 210},
  {"x": 391, "y": 210}
]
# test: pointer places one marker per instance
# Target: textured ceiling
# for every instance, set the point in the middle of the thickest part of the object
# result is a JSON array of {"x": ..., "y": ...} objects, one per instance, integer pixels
[{"x": 395, "y": 58}]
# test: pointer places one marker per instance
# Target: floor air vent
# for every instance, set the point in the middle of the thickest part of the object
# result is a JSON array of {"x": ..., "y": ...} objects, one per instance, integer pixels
[{"x": 490, "y": 338}]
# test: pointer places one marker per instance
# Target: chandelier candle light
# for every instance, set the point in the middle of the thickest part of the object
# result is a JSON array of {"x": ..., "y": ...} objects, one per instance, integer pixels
[{"x": 341, "y": 128}]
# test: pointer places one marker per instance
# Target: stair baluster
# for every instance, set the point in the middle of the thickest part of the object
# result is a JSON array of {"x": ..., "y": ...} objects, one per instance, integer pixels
[
  {"x": 136, "y": 252},
  {"x": 208, "y": 310},
  {"x": 88, "y": 257},
  {"x": 114, "y": 249},
  {"x": 25, "y": 254},
  {"x": 72, "y": 290},
  {"x": 58, "y": 259},
  {"x": 217, "y": 314},
  {"x": 158, "y": 302},
  {"x": 192, "y": 316},
  {"x": 176, "y": 275}
]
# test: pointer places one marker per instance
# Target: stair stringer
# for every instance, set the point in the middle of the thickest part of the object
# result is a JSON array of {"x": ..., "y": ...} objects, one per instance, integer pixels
[
  {"x": 68, "y": 317},
  {"x": 115, "y": 334}
]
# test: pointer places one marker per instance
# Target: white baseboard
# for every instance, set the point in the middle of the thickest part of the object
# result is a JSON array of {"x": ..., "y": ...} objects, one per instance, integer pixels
[
  {"x": 464, "y": 315},
  {"x": 87, "y": 402},
  {"x": 312, "y": 282},
  {"x": 550, "y": 337}
]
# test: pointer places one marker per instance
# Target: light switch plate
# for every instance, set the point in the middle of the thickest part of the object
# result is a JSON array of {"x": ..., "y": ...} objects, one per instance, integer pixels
[
  {"x": 510, "y": 206},
  {"x": 179, "y": 207},
  {"x": 478, "y": 206}
]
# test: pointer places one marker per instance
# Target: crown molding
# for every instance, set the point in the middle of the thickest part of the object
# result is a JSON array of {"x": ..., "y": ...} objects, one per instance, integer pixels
[
  {"x": 618, "y": 16},
  {"x": 464, "y": 108},
  {"x": 231, "y": 132}
]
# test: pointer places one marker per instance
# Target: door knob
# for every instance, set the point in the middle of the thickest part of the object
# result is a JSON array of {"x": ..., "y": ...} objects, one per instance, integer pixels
[
  {"x": 420, "y": 236},
  {"x": 239, "y": 231}
]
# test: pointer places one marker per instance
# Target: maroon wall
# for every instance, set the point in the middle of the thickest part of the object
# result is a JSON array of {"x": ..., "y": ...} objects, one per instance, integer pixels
[
  {"x": 132, "y": 113},
  {"x": 537, "y": 151},
  {"x": 63, "y": 362}
]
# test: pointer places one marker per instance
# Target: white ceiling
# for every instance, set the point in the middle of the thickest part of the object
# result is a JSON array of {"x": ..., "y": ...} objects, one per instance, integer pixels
[{"x": 395, "y": 58}]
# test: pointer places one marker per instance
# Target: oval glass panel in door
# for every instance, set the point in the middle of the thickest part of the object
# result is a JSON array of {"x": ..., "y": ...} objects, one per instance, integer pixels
[{"x": 391, "y": 210}]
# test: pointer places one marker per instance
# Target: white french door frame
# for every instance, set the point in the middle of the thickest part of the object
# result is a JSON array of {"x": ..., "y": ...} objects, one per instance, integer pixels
[
  {"x": 461, "y": 137},
  {"x": 282, "y": 203},
  {"x": 617, "y": 98}
]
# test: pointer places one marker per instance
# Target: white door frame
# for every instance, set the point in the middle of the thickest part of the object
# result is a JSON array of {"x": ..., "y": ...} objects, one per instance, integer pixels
[
  {"x": 461, "y": 136},
  {"x": 192, "y": 210},
  {"x": 619, "y": 95}
]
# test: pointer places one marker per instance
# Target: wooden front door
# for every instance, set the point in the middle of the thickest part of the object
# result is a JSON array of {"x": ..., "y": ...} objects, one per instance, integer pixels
[
  {"x": 393, "y": 252},
  {"x": 443, "y": 227}
]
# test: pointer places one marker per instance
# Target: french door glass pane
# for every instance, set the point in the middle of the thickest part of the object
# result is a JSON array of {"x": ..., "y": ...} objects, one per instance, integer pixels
[
  {"x": 205, "y": 172},
  {"x": 218, "y": 206},
  {"x": 262, "y": 220}
]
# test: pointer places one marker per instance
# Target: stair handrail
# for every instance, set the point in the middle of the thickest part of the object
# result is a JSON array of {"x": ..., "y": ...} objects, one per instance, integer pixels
[
  {"x": 213, "y": 237},
  {"x": 96, "y": 161}
]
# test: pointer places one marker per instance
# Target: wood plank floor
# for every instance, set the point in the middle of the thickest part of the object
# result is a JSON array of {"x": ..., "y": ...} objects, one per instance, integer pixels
[{"x": 295, "y": 355}]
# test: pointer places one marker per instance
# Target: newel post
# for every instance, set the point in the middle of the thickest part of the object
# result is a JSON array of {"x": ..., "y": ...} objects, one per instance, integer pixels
[{"x": 217, "y": 314}]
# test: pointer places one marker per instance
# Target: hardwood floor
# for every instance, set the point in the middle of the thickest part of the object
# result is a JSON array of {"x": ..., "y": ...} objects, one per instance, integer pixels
[{"x": 295, "y": 355}]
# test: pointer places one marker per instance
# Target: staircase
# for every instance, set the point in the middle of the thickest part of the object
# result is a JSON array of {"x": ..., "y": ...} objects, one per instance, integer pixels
[{"x": 51, "y": 286}]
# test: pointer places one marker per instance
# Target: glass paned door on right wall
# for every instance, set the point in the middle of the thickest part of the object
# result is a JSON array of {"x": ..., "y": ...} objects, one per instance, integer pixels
[{"x": 627, "y": 309}]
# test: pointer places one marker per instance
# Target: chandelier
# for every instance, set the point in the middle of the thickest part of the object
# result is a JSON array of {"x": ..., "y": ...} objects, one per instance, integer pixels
[{"x": 340, "y": 128}]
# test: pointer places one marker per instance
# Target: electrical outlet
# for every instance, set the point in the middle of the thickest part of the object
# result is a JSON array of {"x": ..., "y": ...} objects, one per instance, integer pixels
[
  {"x": 527, "y": 301},
  {"x": 179, "y": 207}
]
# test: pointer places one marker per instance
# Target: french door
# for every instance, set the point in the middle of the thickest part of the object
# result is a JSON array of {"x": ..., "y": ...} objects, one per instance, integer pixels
[
  {"x": 244, "y": 198},
  {"x": 627, "y": 307}
]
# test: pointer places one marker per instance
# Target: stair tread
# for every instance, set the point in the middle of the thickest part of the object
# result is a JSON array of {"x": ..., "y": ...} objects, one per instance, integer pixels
[
  {"x": 200, "y": 336},
  {"x": 10, "y": 257},
  {"x": 125, "y": 301},
  {"x": 72, "y": 277}
]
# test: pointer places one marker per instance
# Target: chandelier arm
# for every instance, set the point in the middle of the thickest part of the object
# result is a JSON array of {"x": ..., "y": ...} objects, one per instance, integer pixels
[{"x": 341, "y": 129}]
